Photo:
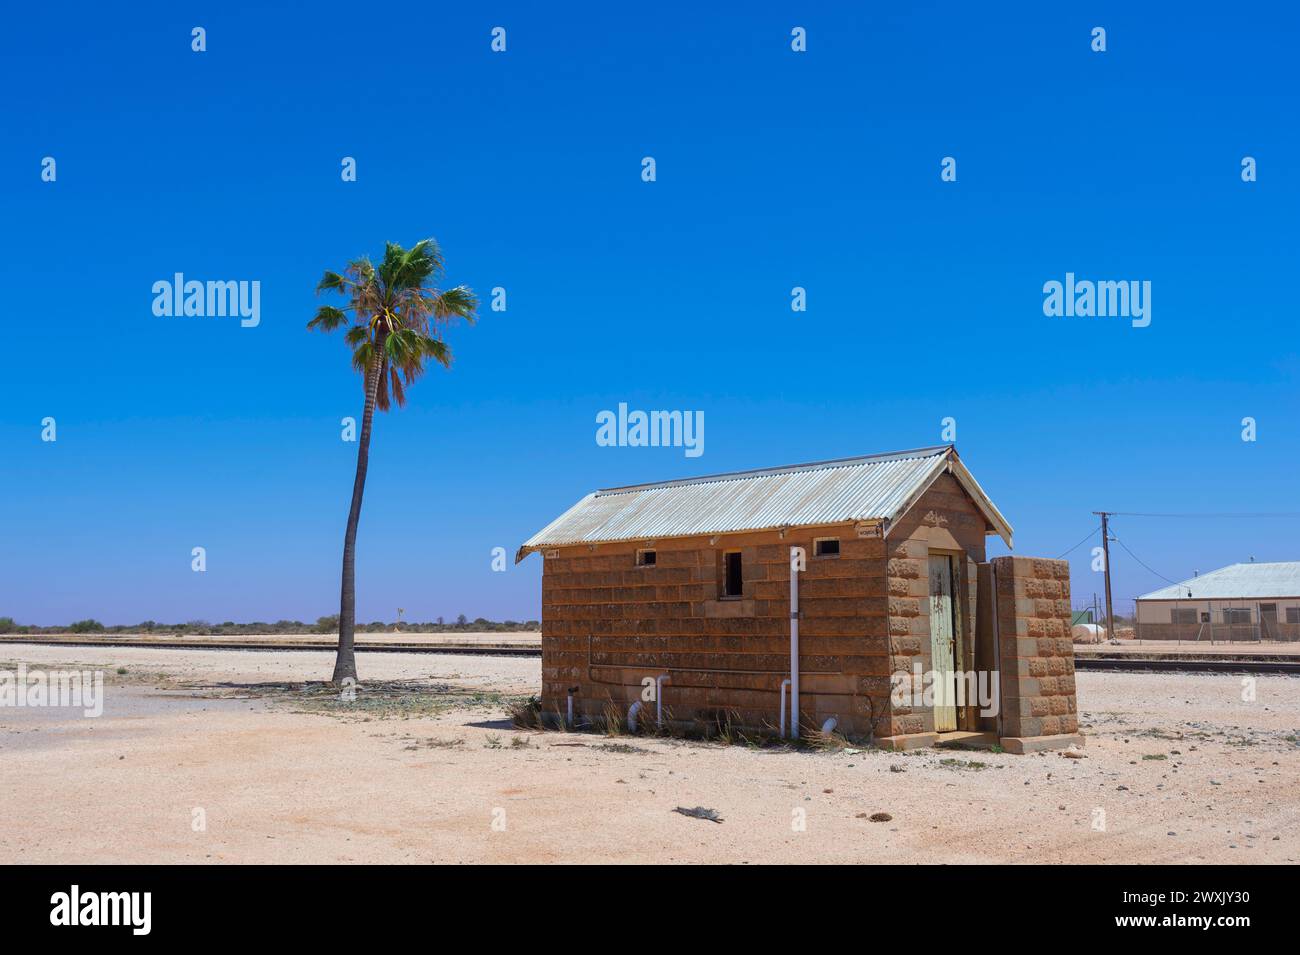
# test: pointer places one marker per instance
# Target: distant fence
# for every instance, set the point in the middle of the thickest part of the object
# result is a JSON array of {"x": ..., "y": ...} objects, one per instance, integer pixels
[{"x": 1257, "y": 632}]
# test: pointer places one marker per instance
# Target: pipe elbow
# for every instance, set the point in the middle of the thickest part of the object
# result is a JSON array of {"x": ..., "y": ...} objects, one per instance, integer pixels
[{"x": 632, "y": 712}]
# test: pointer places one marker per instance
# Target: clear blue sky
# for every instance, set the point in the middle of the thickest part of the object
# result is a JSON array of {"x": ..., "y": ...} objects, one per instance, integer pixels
[{"x": 775, "y": 169}]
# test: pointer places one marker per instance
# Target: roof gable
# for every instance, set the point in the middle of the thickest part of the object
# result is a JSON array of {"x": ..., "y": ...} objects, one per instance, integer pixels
[{"x": 879, "y": 487}]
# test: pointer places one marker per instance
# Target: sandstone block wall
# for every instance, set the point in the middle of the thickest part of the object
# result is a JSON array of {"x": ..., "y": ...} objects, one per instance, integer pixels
[
  {"x": 608, "y": 624},
  {"x": 1037, "y": 654}
]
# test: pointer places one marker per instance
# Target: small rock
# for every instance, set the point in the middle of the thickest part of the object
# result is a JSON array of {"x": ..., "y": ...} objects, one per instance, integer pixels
[
  {"x": 895, "y": 768},
  {"x": 881, "y": 817}
]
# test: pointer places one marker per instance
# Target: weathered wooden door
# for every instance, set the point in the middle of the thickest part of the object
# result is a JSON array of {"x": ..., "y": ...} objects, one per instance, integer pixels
[{"x": 942, "y": 643}]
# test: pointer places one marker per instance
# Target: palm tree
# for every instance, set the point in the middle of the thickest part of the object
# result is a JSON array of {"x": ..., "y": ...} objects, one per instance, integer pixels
[{"x": 394, "y": 327}]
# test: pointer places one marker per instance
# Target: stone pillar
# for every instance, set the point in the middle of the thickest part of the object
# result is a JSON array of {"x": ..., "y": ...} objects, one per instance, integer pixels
[{"x": 1039, "y": 707}]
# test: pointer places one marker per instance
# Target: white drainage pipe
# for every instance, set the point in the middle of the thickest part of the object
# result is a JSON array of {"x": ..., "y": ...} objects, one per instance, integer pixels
[
  {"x": 829, "y": 726},
  {"x": 796, "y": 562},
  {"x": 569, "y": 723},
  {"x": 659, "y": 700},
  {"x": 632, "y": 712},
  {"x": 784, "y": 683}
]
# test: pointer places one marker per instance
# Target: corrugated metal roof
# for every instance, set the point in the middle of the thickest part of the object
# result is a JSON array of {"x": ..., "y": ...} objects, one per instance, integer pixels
[
  {"x": 1237, "y": 582},
  {"x": 878, "y": 487}
]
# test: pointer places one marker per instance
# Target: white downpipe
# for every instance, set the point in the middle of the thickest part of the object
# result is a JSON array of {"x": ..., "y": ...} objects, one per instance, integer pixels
[
  {"x": 569, "y": 723},
  {"x": 659, "y": 700},
  {"x": 632, "y": 711},
  {"x": 784, "y": 683},
  {"x": 796, "y": 562},
  {"x": 829, "y": 726}
]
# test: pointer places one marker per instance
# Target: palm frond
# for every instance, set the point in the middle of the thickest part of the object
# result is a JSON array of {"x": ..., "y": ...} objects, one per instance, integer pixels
[
  {"x": 458, "y": 302},
  {"x": 399, "y": 393},
  {"x": 361, "y": 269},
  {"x": 328, "y": 318},
  {"x": 361, "y": 357},
  {"x": 331, "y": 282},
  {"x": 423, "y": 260},
  {"x": 437, "y": 349}
]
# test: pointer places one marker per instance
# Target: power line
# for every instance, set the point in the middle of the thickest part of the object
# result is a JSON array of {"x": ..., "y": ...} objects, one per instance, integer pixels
[
  {"x": 1140, "y": 560},
  {"x": 1218, "y": 516},
  {"x": 1081, "y": 543}
]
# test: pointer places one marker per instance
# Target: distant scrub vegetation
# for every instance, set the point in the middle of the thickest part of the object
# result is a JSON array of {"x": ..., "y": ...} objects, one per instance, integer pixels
[{"x": 322, "y": 625}]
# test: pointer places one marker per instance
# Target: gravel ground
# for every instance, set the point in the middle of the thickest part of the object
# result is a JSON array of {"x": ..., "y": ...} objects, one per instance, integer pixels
[{"x": 206, "y": 756}]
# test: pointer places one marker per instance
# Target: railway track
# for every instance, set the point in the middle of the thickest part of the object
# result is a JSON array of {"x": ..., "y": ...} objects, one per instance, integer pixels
[
  {"x": 491, "y": 650},
  {"x": 1128, "y": 665}
]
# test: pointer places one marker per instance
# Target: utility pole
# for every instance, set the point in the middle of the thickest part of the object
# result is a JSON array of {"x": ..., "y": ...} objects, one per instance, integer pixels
[{"x": 1105, "y": 556}]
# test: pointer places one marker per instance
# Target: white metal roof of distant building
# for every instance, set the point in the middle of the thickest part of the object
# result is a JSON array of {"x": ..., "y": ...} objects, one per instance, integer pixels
[
  {"x": 1237, "y": 582},
  {"x": 876, "y": 487}
]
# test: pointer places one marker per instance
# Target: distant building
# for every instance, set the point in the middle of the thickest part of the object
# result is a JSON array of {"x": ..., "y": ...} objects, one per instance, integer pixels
[{"x": 1239, "y": 602}]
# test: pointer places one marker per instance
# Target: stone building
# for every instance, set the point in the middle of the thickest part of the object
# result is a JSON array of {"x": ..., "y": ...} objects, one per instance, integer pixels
[{"x": 851, "y": 596}]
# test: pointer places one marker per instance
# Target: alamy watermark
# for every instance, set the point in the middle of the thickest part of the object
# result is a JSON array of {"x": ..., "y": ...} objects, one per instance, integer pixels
[
  {"x": 651, "y": 429},
  {"x": 1104, "y": 299},
  {"x": 74, "y": 689},
  {"x": 930, "y": 688},
  {"x": 211, "y": 299},
  {"x": 75, "y": 907}
]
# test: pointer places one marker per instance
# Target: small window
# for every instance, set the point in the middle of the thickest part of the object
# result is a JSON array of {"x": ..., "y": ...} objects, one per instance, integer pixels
[
  {"x": 1268, "y": 612},
  {"x": 826, "y": 547},
  {"x": 1293, "y": 614},
  {"x": 731, "y": 581},
  {"x": 1182, "y": 616},
  {"x": 1236, "y": 615},
  {"x": 645, "y": 558}
]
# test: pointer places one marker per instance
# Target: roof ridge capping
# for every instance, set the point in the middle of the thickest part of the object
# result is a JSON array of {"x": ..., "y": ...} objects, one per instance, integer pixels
[{"x": 932, "y": 451}]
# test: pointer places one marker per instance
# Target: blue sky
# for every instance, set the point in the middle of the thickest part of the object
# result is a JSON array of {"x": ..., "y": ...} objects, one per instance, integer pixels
[{"x": 775, "y": 169}]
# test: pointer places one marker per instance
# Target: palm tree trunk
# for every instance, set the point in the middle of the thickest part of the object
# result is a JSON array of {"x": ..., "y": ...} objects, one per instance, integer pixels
[{"x": 345, "y": 662}]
